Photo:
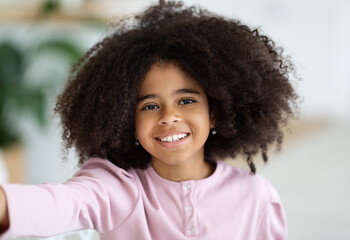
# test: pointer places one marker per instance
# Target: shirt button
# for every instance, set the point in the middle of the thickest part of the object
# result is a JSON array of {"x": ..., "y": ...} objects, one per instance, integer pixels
[
  {"x": 190, "y": 231},
  {"x": 187, "y": 187},
  {"x": 189, "y": 208}
]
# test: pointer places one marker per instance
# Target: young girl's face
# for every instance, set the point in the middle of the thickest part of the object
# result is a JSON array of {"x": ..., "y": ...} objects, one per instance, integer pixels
[{"x": 172, "y": 118}]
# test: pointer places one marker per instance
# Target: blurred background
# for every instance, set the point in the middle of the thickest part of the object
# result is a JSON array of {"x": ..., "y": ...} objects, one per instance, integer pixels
[{"x": 40, "y": 39}]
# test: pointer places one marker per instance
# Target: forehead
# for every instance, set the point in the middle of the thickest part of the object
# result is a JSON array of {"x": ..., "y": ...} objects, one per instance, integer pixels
[{"x": 161, "y": 78}]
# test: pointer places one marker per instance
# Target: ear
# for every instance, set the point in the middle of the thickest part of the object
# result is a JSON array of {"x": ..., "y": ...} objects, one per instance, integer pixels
[{"x": 212, "y": 120}]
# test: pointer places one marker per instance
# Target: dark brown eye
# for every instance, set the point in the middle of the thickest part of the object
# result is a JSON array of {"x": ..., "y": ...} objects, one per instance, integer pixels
[
  {"x": 187, "y": 101},
  {"x": 150, "y": 107}
]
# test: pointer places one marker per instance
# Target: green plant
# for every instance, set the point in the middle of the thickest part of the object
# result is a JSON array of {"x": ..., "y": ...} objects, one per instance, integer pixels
[{"x": 17, "y": 95}]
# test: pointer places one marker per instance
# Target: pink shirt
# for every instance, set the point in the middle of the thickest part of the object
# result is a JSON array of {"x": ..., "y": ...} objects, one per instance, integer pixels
[{"x": 139, "y": 204}]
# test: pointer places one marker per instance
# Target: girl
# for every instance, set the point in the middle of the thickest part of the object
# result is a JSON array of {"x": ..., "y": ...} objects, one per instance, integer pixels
[{"x": 150, "y": 109}]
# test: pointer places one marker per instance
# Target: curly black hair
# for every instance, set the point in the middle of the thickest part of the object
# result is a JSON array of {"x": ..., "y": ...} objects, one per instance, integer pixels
[{"x": 245, "y": 76}]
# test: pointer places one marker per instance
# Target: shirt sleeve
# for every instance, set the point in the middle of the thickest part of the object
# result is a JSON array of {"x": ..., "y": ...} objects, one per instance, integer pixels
[
  {"x": 274, "y": 223},
  {"x": 99, "y": 196}
]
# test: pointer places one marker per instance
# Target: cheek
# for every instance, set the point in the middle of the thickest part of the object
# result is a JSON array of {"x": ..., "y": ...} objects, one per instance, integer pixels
[
  {"x": 142, "y": 126},
  {"x": 201, "y": 121}
]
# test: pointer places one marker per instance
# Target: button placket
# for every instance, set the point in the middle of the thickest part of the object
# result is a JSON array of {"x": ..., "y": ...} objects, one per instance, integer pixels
[{"x": 191, "y": 228}]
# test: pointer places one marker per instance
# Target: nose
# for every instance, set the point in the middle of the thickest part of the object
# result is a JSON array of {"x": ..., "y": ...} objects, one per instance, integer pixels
[{"x": 169, "y": 116}]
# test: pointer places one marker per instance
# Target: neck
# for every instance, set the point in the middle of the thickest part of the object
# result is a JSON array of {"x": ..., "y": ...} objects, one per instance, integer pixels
[{"x": 185, "y": 171}]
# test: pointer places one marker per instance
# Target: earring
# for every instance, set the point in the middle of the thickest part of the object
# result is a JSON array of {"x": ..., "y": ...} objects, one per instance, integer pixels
[
  {"x": 213, "y": 131},
  {"x": 137, "y": 143}
]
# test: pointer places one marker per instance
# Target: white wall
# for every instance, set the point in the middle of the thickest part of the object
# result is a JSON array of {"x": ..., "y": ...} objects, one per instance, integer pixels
[{"x": 316, "y": 34}]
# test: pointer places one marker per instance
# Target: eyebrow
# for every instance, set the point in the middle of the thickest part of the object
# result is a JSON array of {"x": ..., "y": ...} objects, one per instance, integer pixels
[{"x": 177, "y": 92}]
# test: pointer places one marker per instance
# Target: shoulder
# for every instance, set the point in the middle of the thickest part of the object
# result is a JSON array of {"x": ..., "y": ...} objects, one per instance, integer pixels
[
  {"x": 254, "y": 194},
  {"x": 104, "y": 174},
  {"x": 102, "y": 168},
  {"x": 251, "y": 185},
  {"x": 112, "y": 188}
]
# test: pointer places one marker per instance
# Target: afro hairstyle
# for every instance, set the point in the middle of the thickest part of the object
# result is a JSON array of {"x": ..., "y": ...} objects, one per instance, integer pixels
[{"x": 245, "y": 76}]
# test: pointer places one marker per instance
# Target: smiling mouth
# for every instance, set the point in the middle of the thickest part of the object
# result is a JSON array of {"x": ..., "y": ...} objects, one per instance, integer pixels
[{"x": 173, "y": 138}]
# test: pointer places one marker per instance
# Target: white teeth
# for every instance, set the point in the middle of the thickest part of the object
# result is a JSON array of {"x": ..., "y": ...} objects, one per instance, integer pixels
[{"x": 173, "y": 138}]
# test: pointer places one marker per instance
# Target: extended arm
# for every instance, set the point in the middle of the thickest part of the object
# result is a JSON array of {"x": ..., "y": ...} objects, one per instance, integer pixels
[{"x": 100, "y": 196}]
